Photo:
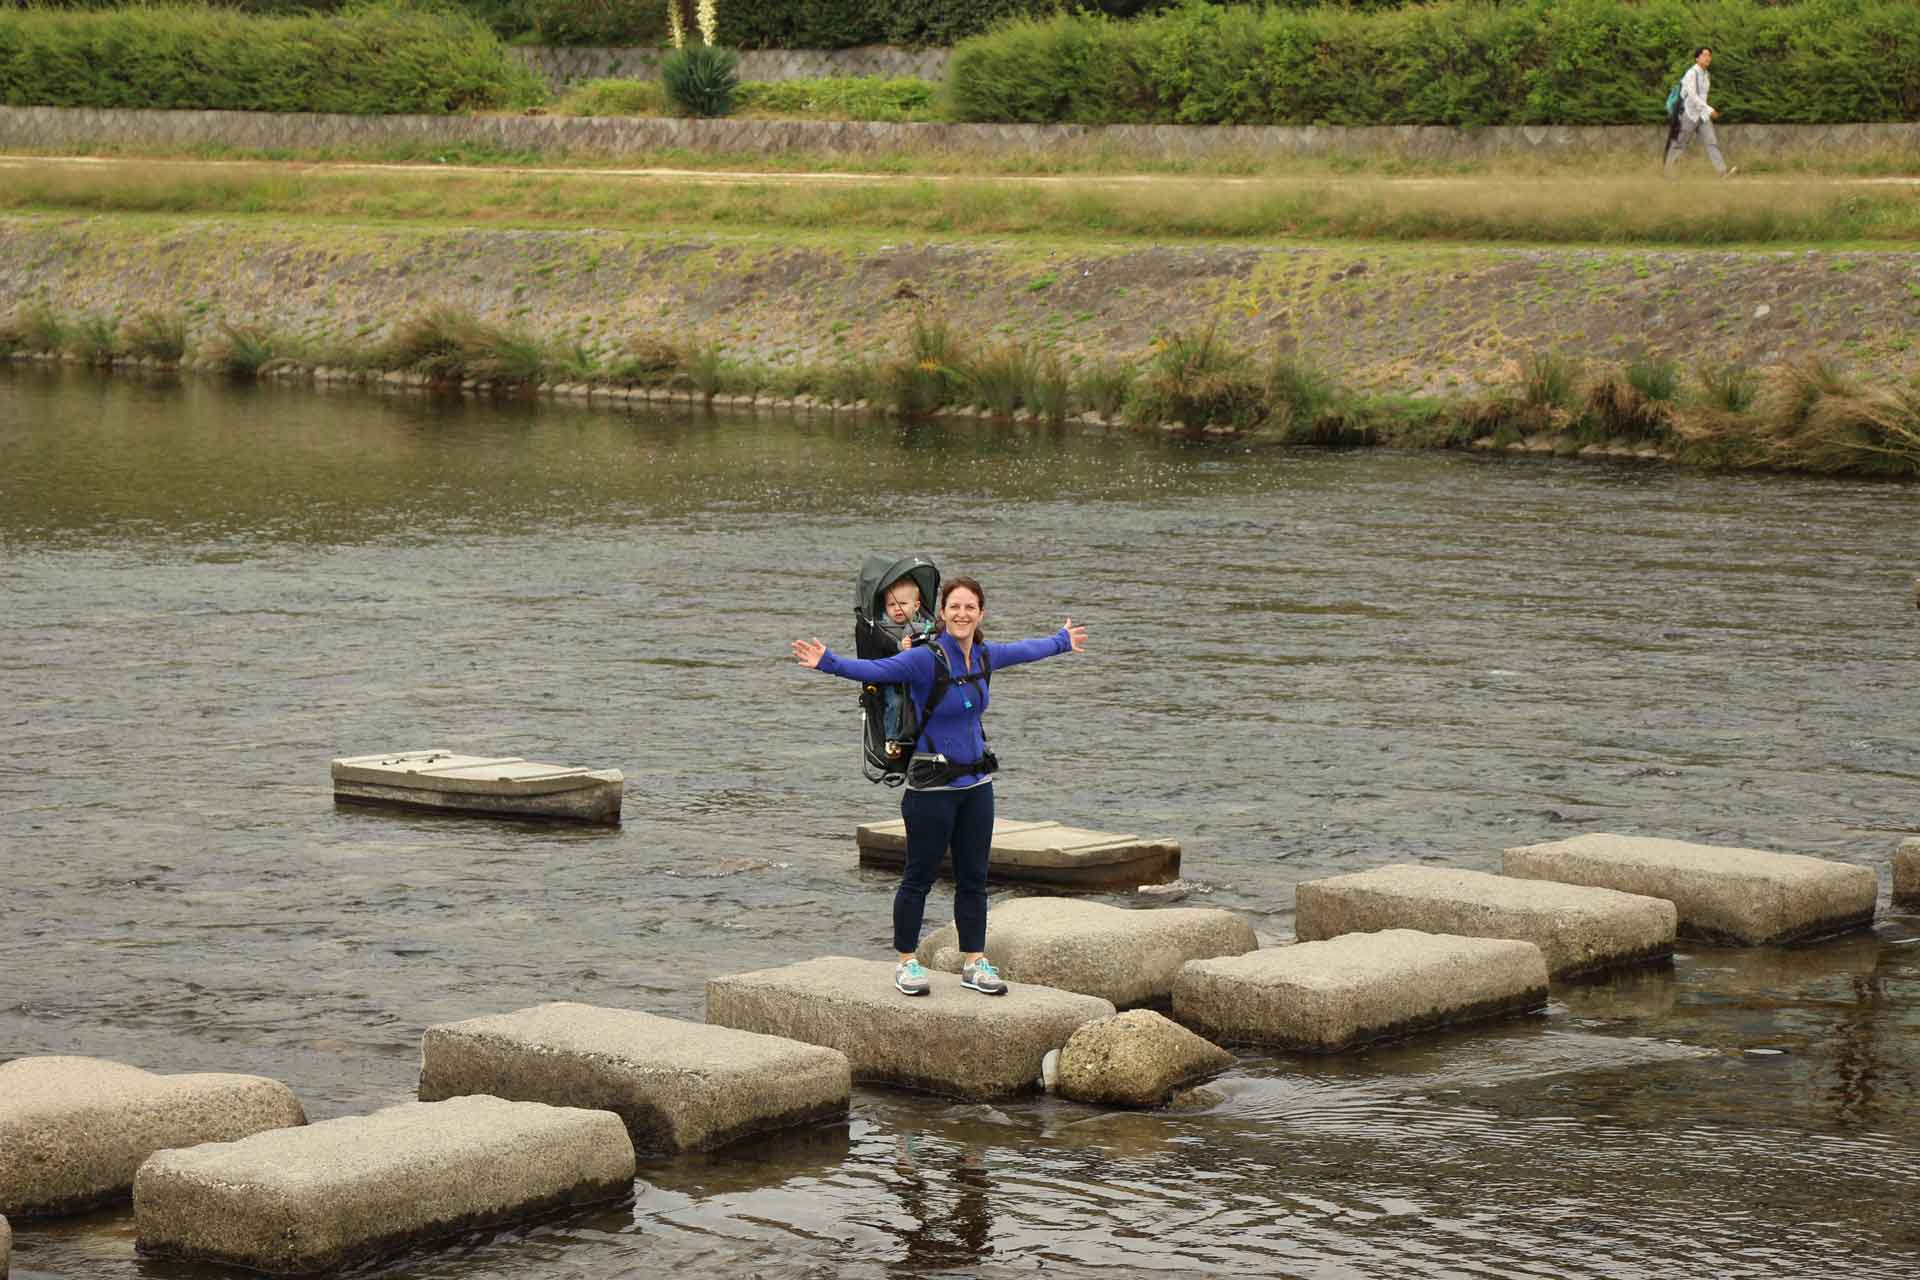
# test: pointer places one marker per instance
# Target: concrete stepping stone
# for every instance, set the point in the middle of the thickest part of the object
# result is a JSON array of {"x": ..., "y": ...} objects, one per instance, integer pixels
[
  {"x": 1126, "y": 957},
  {"x": 74, "y": 1130},
  {"x": 1344, "y": 992},
  {"x": 952, "y": 1041},
  {"x": 499, "y": 785},
  {"x": 1579, "y": 929},
  {"x": 340, "y": 1192},
  {"x": 1045, "y": 853},
  {"x": 1135, "y": 1059},
  {"x": 677, "y": 1086},
  {"x": 1743, "y": 897},
  {"x": 1906, "y": 875}
]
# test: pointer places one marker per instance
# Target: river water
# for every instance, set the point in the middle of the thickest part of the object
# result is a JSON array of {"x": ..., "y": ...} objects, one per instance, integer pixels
[{"x": 1301, "y": 663}]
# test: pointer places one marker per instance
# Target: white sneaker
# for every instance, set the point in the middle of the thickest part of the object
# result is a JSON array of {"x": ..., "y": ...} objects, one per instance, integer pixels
[
  {"x": 911, "y": 979},
  {"x": 981, "y": 976}
]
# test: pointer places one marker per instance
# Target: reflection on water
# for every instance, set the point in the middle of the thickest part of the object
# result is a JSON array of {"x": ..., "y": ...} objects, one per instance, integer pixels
[{"x": 1303, "y": 663}]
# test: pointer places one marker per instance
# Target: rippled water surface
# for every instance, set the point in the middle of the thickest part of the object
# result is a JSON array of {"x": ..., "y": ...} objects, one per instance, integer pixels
[{"x": 1303, "y": 663}]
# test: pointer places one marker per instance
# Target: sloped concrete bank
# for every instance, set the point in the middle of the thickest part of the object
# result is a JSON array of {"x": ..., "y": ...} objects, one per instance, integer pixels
[
  {"x": 1418, "y": 320},
  {"x": 82, "y": 129}
]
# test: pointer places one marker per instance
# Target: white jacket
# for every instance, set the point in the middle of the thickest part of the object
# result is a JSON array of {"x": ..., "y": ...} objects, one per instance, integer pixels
[{"x": 1693, "y": 94}]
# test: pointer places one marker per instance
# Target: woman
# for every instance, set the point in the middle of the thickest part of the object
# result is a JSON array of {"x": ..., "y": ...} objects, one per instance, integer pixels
[{"x": 948, "y": 801}]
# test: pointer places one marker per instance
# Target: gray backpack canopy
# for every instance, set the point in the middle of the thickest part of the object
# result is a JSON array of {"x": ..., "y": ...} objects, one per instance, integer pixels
[{"x": 877, "y": 573}]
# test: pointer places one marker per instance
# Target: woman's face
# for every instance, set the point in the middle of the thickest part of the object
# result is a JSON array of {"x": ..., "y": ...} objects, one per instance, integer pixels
[{"x": 961, "y": 613}]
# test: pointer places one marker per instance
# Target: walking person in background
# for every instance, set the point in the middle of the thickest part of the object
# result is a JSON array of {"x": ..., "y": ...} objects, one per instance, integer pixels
[
  {"x": 949, "y": 796},
  {"x": 1693, "y": 115}
]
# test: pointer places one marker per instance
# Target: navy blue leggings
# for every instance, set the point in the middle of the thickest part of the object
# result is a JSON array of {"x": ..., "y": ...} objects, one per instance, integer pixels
[{"x": 937, "y": 820}]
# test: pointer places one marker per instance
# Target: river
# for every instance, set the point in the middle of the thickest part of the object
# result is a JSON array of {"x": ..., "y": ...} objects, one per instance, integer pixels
[{"x": 1300, "y": 663}]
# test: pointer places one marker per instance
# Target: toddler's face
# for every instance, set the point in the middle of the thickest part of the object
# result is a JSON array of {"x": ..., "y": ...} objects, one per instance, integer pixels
[{"x": 903, "y": 602}]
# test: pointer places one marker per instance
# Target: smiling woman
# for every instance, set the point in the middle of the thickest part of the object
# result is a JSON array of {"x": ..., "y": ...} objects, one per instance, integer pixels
[{"x": 949, "y": 794}]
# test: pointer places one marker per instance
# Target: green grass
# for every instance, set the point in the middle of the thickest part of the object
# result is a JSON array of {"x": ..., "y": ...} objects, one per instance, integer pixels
[{"x": 1624, "y": 211}]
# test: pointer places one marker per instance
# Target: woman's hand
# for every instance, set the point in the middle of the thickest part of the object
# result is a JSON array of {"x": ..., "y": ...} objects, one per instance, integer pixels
[
  {"x": 808, "y": 653},
  {"x": 1077, "y": 637}
]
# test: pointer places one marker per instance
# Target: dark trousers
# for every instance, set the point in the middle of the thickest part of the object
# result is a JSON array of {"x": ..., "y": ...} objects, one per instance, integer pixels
[{"x": 937, "y": 821}]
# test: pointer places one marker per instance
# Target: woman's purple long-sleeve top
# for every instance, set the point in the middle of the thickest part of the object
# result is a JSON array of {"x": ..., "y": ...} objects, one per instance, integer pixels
[{"x": 954, "y": 728}]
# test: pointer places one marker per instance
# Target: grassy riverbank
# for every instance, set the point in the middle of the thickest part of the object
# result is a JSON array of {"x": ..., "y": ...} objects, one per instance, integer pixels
[
  {"x": 1614, "y": 210},
  {"x": 1812, "y": 416}
]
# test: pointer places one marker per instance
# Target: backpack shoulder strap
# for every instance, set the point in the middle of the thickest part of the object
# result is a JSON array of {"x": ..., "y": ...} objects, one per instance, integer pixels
[{"x": 944, "y": 679}]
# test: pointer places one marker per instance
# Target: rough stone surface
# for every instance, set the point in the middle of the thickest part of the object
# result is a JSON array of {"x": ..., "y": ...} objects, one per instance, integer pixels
[
  {"x": 65, "y": 128},
  {"x": 1135, "y": 1059},
  {"x": 6, "y": 1248},
  {"x": 952, "y": 1041},
  {"x": 1126, "y": 957},
  {"x": 1906, "y": 874},
  {"x": 678, "y": 1086},
  {"x": 74, "y": 1130},
  {"x": 1344, "y": 992},
  {"x": 1579, "y": 929},
  {"x": 1746, "y": 897},
  {"x": 300, "y": 1201},
  {"x": 1044, "y": 853}
]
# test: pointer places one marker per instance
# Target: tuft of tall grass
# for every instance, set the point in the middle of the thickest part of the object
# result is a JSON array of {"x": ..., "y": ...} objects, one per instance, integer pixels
[
  {"x": 613, "y": 98},
  {"x": 844, "y": 383},
  {"x": 648, "y": 361},
  {"x": 706, "y": 370},
  {"x": 435, "y": 343},
  {"x": 1656, "y": 378},
  {"x": 1198, "y": 378},
  {"x": 244, "y": 351},
  {"x": 997, "y": 380},
  {"x": 1049, "y": 391},
  {"x": 1728, "y": 388},
  {"x": 1103, "y": 388},
  {"x": 41, "y": 329},
  {"x": 926, "y": 375},
  {"x": 1299, "y": 398},
  {"x": 1549, "y": 380},
  {"x": 95, "y": 338},
  {"x": 159, "y": 335}
]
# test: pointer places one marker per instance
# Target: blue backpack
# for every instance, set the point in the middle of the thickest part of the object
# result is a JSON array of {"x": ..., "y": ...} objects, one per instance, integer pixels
[{"x": 1673, "y": 98}]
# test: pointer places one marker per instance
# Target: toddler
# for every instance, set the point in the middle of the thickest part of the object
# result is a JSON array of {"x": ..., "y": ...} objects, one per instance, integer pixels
[{"x": 908, "y": 619}]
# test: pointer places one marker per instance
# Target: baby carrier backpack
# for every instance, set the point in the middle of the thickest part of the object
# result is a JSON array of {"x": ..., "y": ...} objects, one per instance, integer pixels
[{"x": 873, "y": 639}]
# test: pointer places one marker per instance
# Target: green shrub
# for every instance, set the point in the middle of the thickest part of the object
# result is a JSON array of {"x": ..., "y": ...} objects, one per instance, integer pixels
[
  {"x": 1199, "y": 379},
  {"x": 1525, "y": 62},
  {"x": 1728, "y": 387},
  {"x": 997, "y": 379},
  {"x": 243, "y": 351},
  {"x": 927, "y": 374},
  {"x": 595, "y": 22},
  {"x": 1049, "y": 393},
  {"x": 1548, "y": 380},
  {"x": 1103, "y": 388},
  {"x": 1655, "y": 377},
  {"x": 614, "y": 98},
  {"x": 648, "y": 361},
  {"x": 40, "y": 328},
  {"x": 96, "y": 338},
  {"x": 843, "y": 97},
  {"x": 365, "y": 61},
  {"x": 701, "y": 80}
]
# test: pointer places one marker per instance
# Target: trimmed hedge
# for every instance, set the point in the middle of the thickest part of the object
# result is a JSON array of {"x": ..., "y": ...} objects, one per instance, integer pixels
[
  {"x": 365, "y": 61},
  {"x": 1529, "y": 62}
]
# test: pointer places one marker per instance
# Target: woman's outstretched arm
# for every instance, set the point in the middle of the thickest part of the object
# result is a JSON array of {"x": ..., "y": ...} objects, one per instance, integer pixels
[
  {"x": 896, "y": 669},
  {"x": 1011, "y": 653}
]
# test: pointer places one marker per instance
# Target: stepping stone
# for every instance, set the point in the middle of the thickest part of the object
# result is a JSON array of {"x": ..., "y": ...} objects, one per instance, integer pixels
[
  {"x": 74, "y": 1130},
  {"x": 677, "y": 1086},
  {"x": 1325, "y": 997},
  {"x": 952, "y": 1041},
  {"x": 1044, "y": 853},
  {"x": 1906, "y": 875},
  {"x": 1135, "y": 1059},
  {"x": 498, "y": 785},
  {"x": 6, "y": 1248},
  {"x": 1580, "y": 930},
  {"x": 1126, "y": 957},
  {"x": 339, "y": 1192},
  {"x": 1742, "y": 897}
]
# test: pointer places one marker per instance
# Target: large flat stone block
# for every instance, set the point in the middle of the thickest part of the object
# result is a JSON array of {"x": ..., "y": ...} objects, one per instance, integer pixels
[
  {"x": 1323, "y": 997},
  {"x": 1745, "y": 897},
  {"x": 304, "y": 1201},
  {"x": 678, "y": 1086},
  {"x": 1580, "y": 930},
  {"x": 74, "y": 1130},
  {"x": 6, "y": 1248},
  {"x": 1127, "y": 957},
  {"x": 1906, "y": 874},
  {"x": 1045, "y": 853},
  {"x": 952, "y": 1041}
]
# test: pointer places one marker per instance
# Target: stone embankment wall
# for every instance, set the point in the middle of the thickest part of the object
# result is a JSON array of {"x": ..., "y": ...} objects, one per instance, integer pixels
[
  {"x": 561, "y": 65},
  {"x": 60, "y": 128}
]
